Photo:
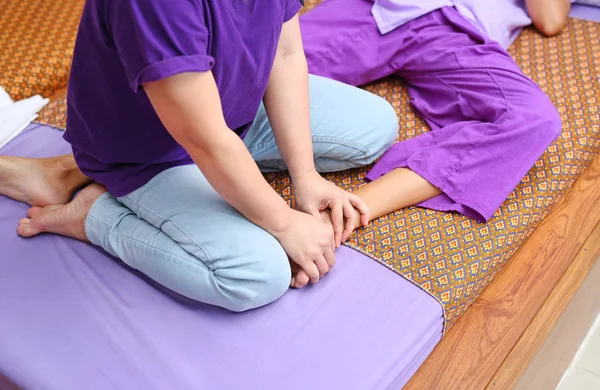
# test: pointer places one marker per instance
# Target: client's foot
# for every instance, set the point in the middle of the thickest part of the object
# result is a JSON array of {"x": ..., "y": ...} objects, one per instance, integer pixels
[
  {"x": 66, "y": 220},
  {"x": 37, "y": 182}
]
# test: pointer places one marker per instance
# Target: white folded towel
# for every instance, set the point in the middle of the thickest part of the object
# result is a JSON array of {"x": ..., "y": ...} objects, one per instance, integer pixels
[{"x": 16, "y": 116}]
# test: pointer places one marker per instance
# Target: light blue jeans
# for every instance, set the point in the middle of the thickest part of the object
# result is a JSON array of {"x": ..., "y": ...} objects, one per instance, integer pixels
[{"x": 178, "y": 231}]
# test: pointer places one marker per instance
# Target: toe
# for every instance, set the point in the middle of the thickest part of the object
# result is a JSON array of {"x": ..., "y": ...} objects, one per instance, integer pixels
[
  {"x": 24, "y": 228},
  {"x": 33, "y": 211}
]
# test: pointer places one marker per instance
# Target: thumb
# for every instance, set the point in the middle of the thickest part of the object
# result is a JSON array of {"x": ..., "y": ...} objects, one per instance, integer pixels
[
  {"x": 312, "y": 210},
  {"x": 315, "y": 213}
]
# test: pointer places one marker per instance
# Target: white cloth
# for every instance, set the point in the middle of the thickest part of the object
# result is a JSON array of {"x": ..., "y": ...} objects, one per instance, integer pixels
[{"x": 16, "y": 116}]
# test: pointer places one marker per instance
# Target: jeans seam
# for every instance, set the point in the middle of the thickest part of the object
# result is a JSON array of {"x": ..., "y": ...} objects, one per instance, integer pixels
[
  {"x": 323, "y": 139},
  {"x": 206, "y": 259},
  {"x": 342, "y": 141},
  {"x": 187, "y": 261},
  {"x": 261, "y": 146}
]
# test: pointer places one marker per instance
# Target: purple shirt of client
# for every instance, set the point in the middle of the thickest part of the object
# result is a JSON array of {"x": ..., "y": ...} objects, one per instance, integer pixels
[
  {"x": 501, "y": 20},
  {"x": 117, "y": 138}
]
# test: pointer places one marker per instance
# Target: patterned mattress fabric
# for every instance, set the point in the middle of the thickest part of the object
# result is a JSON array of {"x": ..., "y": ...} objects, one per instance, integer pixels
[
  {"x": 37, "y": 39},
  {"x": 451, "y": 256},
  {"x": 55, "y": 112}
]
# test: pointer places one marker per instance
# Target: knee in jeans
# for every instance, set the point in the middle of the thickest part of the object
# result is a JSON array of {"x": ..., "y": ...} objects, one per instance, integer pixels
[
  {"x": 383, "y": 124},
  {"x": 267, "y": 278}
]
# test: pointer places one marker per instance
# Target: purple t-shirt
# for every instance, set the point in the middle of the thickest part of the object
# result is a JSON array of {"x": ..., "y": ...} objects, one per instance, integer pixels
[{"x": 117, "y": 138}]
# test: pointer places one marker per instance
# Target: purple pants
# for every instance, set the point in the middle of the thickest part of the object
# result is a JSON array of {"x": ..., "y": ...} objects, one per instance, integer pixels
[{"x": 489, "y": 122}]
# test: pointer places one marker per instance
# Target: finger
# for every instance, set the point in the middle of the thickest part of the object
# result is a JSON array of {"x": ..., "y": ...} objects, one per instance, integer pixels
[
  {"x": 337, "y": 218},
  {"x": 330, "y": 258},
  {"x": 332, "y": 245},
  {"x": 301, "y": 279},
  {"x": 314, "y": 211},
  {"x": 350, "y": 216},
  {"x": 295, "y": 268},
  {"x": 322, "y": 265},
  {"x": 312, "y": 271},
  {"x": 361, "y": 206}
]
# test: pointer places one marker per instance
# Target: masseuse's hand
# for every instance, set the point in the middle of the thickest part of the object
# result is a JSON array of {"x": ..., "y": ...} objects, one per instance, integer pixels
[
  {"x": 307, "y": 242},
  {"x": 315, "y": 194}
]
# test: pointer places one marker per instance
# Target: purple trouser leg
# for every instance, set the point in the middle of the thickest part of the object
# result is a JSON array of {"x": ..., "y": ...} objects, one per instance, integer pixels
[{"x": 489, "y": 122}]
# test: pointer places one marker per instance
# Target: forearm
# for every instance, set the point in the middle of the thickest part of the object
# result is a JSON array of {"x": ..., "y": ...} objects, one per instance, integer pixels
[
  {"x": 287, "y": 105},
  {"x": 188, "y": 104},
  {"x": 549, "y": 16},
  {"x": 393, "y": 191},
  {"x": 231, "y": 171}
]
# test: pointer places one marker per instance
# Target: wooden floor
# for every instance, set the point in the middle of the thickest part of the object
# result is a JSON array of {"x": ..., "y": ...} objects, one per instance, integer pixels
[
  {"x": 534, "y": 336},
  {"x": 492, "y": 343}
]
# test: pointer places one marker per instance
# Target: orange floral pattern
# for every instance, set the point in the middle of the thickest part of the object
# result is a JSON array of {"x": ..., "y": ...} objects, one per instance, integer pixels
[{"x": 37, "y": 39}]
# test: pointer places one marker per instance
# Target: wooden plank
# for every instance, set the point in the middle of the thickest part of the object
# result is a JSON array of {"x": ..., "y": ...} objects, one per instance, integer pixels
[
  {"x": 557, "y": 352},
  {"x": 532, "y": 339},
  {"x": 475, "y": 347}
]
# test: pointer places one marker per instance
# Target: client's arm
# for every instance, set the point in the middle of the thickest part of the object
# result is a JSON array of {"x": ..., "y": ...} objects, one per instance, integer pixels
[
  {"x": 393, "y": 191},
  {"x": 549, "y": 16}
]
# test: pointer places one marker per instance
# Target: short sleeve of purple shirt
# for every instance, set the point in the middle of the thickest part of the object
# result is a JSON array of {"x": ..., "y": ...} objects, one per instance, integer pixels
[
  {"x": 292, "y": 8},
  {"x": 118, "y": 139},
  {"x": 151, "y": 47}
]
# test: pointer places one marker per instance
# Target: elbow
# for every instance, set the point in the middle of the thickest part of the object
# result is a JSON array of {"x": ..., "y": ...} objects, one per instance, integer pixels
[
  {"x": 551, "y": 25},
  {"x": 551, "y": 28},
  {"x": 549, "y": 16}
]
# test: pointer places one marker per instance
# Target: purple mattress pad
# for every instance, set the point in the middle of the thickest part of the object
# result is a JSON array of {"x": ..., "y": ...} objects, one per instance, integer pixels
[{"x": 72, "y": 317}]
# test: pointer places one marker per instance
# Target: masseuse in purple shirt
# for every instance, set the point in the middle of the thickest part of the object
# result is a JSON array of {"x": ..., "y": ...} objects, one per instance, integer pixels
[{"x": 489, "y": 125}]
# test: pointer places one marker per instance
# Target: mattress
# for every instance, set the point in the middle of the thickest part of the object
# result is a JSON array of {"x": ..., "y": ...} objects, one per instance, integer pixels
[{"x": 71, "y": 317}]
